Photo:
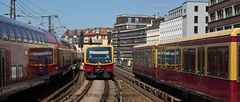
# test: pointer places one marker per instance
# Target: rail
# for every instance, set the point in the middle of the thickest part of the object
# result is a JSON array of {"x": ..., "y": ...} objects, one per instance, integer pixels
[
  {"x": 62, "y": 92},
  {"x": 77, "y": 98},
  {"x": 149, "y": 91}
]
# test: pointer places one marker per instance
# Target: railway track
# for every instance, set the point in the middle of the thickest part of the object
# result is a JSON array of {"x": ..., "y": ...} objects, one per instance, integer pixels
[
  {"x": 152, "y": 93},
  {"x": 66, "y": 90},
  {"x": 90, "y": 91},
  {"x": 101, "y": 91}
]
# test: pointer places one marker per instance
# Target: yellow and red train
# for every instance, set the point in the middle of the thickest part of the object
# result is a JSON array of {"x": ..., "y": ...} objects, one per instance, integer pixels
[
  {"x": 206, "y": 65},
  {"x": 98, "y": 61},
  {"x": 29, "y": 56}
]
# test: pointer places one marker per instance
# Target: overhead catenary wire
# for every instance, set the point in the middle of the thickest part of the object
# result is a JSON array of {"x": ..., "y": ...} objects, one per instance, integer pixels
[{"x": 36, "y": 6}]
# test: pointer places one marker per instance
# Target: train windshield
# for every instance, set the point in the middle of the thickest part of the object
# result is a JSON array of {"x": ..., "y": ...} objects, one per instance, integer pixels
[
  {"x": 40, "y": 56},
  {"x": 99, "y": 55}
]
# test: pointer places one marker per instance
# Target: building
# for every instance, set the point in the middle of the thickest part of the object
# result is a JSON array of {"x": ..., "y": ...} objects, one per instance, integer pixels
[
  {"x": 153, "y": 31},
  {"x": 94, "y": 36},
  {"x": 223, "y": 14},
  {"x": 186, "y": 20},
  {"x": 129, "y": 30}
]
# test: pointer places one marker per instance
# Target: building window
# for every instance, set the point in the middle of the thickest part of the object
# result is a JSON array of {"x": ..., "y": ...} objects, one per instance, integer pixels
[
  {"x": 137, "y": 20},
  {"x": 211, "y": 30},
  {"x": 236, "y": 26},
  {"x": 206, "y": 29},
  {"x": 195, "y": 19},
  {"x": 196, "y": 8},
  {"x": 237, "y": 9},
  {"x": 220, "y": 29},
  {"x": 228, "y": 27},
  {"x": 213, "y": 16},
  {"x": 212, "y": 2},
  {"x": 195, "y": 29},
  {"x": 133, "y": 20},
  {"x": 206, "y": 19},
  {"x": 228, "y": 12},
  {"x": 206, "y": 8},
  {"x": 218, "y": 61},
  {"x": 220, "y": 14},
  {"x": 129, "y": 20}
]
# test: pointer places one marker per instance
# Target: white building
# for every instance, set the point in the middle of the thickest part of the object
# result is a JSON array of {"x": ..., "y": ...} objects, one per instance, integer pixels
[
  {"x": 152, "y": 36},
  {"x": 186, "y": 20}
]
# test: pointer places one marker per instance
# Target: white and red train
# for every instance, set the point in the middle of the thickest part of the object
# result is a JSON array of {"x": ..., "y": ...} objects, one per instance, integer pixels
[
  {"x": 29, "y": 56},
  {"x": 98, "y": 61},
  {"x": 206, "y": 65}
]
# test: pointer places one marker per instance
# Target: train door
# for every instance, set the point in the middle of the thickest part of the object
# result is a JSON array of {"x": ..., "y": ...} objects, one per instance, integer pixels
[{"x": 3, "y": 65}]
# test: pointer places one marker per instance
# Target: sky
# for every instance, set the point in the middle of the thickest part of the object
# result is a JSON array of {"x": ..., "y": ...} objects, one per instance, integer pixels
[{"x": 76, "y": 14}]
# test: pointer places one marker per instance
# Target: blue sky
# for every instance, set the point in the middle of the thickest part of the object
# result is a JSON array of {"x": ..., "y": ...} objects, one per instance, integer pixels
[{"x": 93, "y": 13}]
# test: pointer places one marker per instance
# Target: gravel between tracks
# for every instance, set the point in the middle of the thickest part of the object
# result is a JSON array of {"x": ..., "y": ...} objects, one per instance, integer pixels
[{"x": 130, "y": 94}]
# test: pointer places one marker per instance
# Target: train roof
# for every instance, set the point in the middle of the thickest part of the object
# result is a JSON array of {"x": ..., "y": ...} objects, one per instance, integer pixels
[
  {"x": 203, "y": 36},
  {"x": 51, "y": 38},
  {"x": 15, "y": 22},
  {"x": 196, "y": 37}
]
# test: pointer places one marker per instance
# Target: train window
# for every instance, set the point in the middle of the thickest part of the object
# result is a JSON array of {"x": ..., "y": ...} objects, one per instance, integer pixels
[
  {"x": 34, "y": 37},
  {"x": 239, "y": 63},
  {"x": 3, "y": 31},
  {"x": 161, "y": 56},
  {"x": 39, "y": 37},
  {"x": 18, "y": 34},
  {"x": 11, "y": 33},
  {"x": 14, "y": 72},
  {"x": 218, "y": 61},
  {"x": 201, "y": 60},
  {"x": 189, "y": 60},
  {"x": 30, "y": 38},
  {"x": 170, "y": 56},
  {"x": 25, "y": 39},
  {"x": 42, "y": 39},
  {"x": 178, "y": 56},
  {"x": 45, "y": 39},
  {"x": 20, "y": 72}
]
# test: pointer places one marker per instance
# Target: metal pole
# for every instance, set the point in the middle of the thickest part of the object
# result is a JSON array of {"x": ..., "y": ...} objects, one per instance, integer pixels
[
  {"x": 11, "y": 9},
  {"x": 49, "y": 24},
  {"x": 14, "y": 9}
]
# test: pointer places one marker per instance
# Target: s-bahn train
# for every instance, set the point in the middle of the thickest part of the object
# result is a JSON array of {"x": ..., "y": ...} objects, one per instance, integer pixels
[
  {"x": 98, "y": 61},
  {"x": 29, "y": 56},
  {"x": 206, "y": 65}
]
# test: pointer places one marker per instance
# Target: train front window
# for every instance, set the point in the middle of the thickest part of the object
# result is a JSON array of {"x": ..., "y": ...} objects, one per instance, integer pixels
[
  {"x": 99, "y": 55},
  {"x": 40, "y": 56}
]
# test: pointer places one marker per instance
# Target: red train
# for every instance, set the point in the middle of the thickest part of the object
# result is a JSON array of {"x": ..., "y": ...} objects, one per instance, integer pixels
[
  {"x": 29, "y": 56},
  {"x": 207, "y": 65},
  {"x": 98, "y": 61}
]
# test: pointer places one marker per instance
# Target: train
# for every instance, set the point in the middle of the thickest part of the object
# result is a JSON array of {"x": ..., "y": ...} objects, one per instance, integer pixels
[
  {"x": 98, "y": 61},
  {"x": 30, "y": 56},
  {"x": 205, "y": 65}
]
